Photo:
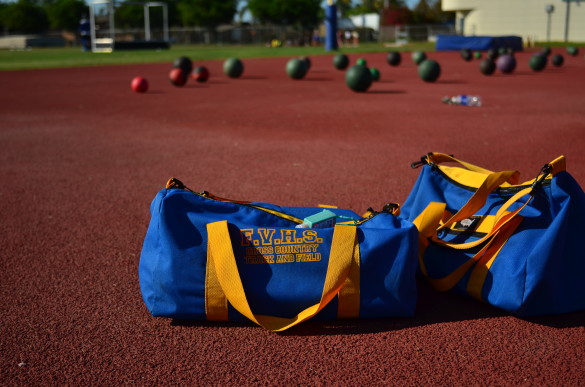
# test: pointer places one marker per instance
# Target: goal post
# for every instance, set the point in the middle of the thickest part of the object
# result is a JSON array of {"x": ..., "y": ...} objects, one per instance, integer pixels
[{"x": 103, "y": 28}]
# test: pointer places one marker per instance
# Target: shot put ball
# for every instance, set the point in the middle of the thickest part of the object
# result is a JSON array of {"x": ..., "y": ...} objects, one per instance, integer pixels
[
  {"x": 429, "y": 70},
  {"x": 296, "y": 68},
  {"x": 466, "y": 54},
  {"x": 506, "y": 63},
  {"x": 358, "y": 78},
  {"x": 375, "y": 74},
  {"x": 233, "y": 67},
  {"x": 340, "y": 61},
  {"x": 139, "y": 84},
  {"x": 557, "y": 60},
  {"x": 178, "y": 77},
  {"x": 418, "y": 57},
  {"x": 394, "y": 58},
  {"x": 538, "y": 62},
  {"x": 200, "y": 74},
  {"x": 183, "y": 63},
  {"x": 307, "y": 61},
  {"x": 487, "y": 66},
  {"x": 572, "y": 50}
]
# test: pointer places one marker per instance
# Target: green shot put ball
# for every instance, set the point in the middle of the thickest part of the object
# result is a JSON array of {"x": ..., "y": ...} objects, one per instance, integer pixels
[
  {"x": 358, "y": 78},
  {"x": 538, "y": 61},
  {"x": 375, "y": 74},
  {"x": 394, "y": 58},
  {"x": 429, "y": 70},
  {"x": 296, "y": 68},
  {"x": 233, "y": 67},
  {"x": 418, "y": 57},
  {"x": 466, "y": 54},
  {"x": 572, "y": 50},
  {"x": 307, "y": 61},
  {"x": 340, "y": 61},
  {"x": 184, "y": 63},
  {"x": 361, "y": 62},
  {"x": 557, "y": 60},
  {"x": 477, "y": 55},
  {"x": 487, "y": 66}
]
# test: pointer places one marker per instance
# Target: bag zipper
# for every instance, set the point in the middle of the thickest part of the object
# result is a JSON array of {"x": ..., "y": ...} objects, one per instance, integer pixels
[
  {"x": 538, "y": 182},
  {"x": 175, "y": 183}
]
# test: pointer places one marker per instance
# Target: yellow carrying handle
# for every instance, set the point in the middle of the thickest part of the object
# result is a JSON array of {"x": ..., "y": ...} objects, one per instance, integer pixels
[
  {"x": 439, "y": 158},
  {"x": 427, "y": 222},
  {"x": 220, "y": 252}
]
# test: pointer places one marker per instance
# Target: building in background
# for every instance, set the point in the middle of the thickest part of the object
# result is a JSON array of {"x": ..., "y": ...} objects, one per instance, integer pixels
[{"x": 533, "y": 20}]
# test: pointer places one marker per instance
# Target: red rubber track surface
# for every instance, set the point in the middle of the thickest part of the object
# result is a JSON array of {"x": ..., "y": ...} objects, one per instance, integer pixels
[{"x": 82, "y": 156}]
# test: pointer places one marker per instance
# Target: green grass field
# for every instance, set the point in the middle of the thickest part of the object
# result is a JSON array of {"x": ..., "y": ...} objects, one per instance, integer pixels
[
  {"x": 72, "y": 57},
  {"x": 39, "y": 58}
]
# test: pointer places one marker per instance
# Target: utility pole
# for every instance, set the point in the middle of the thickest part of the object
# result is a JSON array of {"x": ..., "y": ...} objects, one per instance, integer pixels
[{"x": 567, "y": 17}]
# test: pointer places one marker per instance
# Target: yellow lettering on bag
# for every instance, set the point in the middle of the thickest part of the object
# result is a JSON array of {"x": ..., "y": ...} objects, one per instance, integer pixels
[
  {"x": 288, "y": 236},
  {"x": 266, "y": 235},
  {"x": 292, "y": 246},
  {"x": 247, "y": 234},
  {"x": 310, "y": 236}
]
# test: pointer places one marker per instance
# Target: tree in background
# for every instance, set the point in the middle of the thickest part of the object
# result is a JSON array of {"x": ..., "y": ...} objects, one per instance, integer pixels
[
  {"x": 65, "y": 14},
  {"x": 430, "y": 12},
  {"x": 300, "y": 13},
  {"x": 25, "y": 17},
  {"x": 206, "y": 13}
]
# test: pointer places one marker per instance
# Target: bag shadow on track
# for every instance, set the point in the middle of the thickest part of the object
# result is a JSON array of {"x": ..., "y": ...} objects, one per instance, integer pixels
[{"x": 433, "y": 308}]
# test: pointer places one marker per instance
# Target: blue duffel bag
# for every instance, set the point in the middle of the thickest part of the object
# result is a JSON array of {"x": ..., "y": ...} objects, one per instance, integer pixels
[
  {"x": 515, "y": 245},
  {"x": 208, "y": 258}
]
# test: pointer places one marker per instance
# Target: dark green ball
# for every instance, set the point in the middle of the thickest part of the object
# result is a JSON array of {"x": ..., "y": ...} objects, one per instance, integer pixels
[
  {"x": 572, "y": 50},
  {"x": 487, "y": 66},
  {"x": 394, "y": 58},
  {"x": 358, "y": 78},
  {"x": 557, "y": 60},
  {"x": 546, "y": 51},
  {"x": 361, "y": 62},
  {"x": 296, "y": 68},
  {"x": 418, "y": 57},
  {"x": 233, "y": 67},
  {"x": 538, "y": 62},
  {"x": 307, "y": 61},
  {"x": 340, "y": 61},
  {"x": 466, "y": 54},
  {"x": 429, "y": 70},
  {"x": 492, "y": 54},
  {"x": 375, "y": 74},
  {"x": 183, "y": 63},
  {"x": 477, "y": 55}
]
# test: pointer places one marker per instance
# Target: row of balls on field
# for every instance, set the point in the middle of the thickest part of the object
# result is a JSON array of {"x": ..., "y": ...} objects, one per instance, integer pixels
[
  {"x": 503, "y": 59},
  {"x": 360, "y": 77}
]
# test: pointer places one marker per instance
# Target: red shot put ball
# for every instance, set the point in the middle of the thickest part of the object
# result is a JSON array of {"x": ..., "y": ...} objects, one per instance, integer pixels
[
  {"x": 178, "y": 77},
  {"x": 139, "y": 84},
  {"x": 200, "y": 74}
]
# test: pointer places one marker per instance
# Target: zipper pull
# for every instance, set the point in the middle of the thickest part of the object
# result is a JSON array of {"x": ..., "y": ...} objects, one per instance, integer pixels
[
  {"x": 423, "y": 160},
  {"x": 392, "y": 208},
  {"x": 545, "y": 171},
  {"x": 175, "y": 183}
]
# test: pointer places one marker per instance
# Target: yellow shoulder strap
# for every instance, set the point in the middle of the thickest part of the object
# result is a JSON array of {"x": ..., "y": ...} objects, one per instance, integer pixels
[{"x": 220, "y": 254}]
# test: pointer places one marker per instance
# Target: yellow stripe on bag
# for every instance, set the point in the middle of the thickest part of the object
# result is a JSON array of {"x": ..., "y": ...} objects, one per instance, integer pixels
[
  {"x": 220, "y": 254},
  {"x": 349, "y": 296},
  {"x": 216, "y": 305}
]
